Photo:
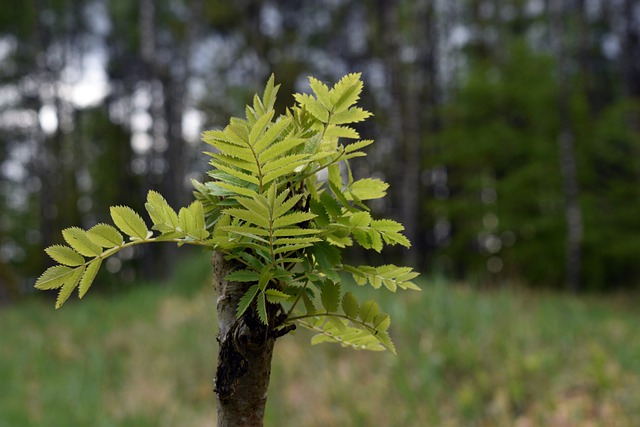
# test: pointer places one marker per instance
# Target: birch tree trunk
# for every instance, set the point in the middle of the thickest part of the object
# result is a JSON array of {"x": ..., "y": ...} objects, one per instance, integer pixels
[{"x": 244, "y": 355}]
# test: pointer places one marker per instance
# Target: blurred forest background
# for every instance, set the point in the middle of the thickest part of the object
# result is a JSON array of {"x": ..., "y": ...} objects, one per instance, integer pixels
[{"x": 509, "y": 130}]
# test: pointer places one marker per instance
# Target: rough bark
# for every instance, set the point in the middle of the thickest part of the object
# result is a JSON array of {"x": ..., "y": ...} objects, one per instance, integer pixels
[{"x": 244, "y": 355}]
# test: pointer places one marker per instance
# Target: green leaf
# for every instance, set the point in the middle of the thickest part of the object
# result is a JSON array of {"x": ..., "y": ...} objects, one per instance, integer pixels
[
  {"x": 389, "y": 275},
  {"x": 292, "y": 218},
  {"x": 381, "y": 321},
  {"x": 252, "y": 261},
  {"x": 262, "y": 308},
  {"x": 350, "y": 305},
  {"x": 383, "y": 337},
  {"x": 367, "y": 189},
  {"x": 242, "y": 276},
  {"x": 272, "y": 134},
  {"x": 322, "y": 219},
  {"x": 352, "y": 115},
  {"x": 270, "y": 92},
  {"x": 334, "y": 175},
  {"x": 234, "y": 190},
  {"x": 339, "y": 240},
  {"x": 390, "y": 231},
  {"x": 65, "y": 255},
  {"x": 275, "y": 296},
  {"x": 233, "y": 150},
  {"x": 339, "y": 323},
  {"x": 246, "y": 230},
  {"x": 347, "y": 336},
  {"x": 328, "y": 257},
  {"x": 261, "y": 125},
  {"x": 246, "y": 300},
  {"x": 226, "y": 136},
  {"x": 369, "y": 311},
  {"x": 257, "y": 205},
  {"x": 163, "y": 216},
  {"x": 295, "y": 240},
  {"x": 375, "y": 240},
  {"x": 54, "y": 277},
  {"x": 278, "y": 149},
  {"x": 334, "y": 131},
  {"x": 346, "y": 92},
  {"x": 330, "y": 296},
  {"x": 337, "y": 192},
  {"x": 285, "y": 207},
  {"x": 128, "y": 220},
  {"x": 322, "y": 92},
  {"x": 284, "y": 165},
  {"x": 191, "y": 221},
  {"x": 265, "y": 277},
  {"x": 291, "y": 248},
  {"x": 243, "y": 164},
  {"x": 105, "y": 235},
  {"x": 236, "y": 173},
  {"x": 313, "y": 106},
  {"x": 288, "y": 232},
  {"x": 249, "y": 216},
  {"x": 89, "y": 276},
  {"x": 308, "y": 302},
  {"x": 77, "y": 238},
  {"x": 330, "y": 205},
  {"x": 360, "y": 219},
  {"x": 69, "y": 285},
  {"x": 355, "y": 146}
]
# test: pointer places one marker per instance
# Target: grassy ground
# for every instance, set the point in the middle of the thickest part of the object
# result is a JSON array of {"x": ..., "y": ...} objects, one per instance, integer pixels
[{"x": 466, "y": 358}]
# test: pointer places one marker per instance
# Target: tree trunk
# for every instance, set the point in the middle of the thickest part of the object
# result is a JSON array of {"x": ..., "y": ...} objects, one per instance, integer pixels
[
  {"x": 566, "y": 146},
  {"x": 244, "y": 355},
  {"x": 406, "y": 87}
]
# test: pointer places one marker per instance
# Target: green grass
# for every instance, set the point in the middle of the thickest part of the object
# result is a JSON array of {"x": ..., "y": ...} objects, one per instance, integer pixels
[{"x": 146, "y": 357}]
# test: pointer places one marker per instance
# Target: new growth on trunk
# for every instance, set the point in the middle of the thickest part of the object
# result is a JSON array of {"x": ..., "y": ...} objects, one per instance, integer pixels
[{"x": 276, "y": 229}]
